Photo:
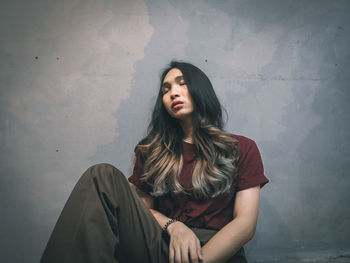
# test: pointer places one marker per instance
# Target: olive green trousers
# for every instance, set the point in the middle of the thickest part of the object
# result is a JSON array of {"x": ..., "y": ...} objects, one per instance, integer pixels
[{"x": 104, "y": 221}]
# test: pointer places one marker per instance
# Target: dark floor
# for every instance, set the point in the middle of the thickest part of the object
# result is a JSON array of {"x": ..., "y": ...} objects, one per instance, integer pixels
[{"x": 341, "y": 255}]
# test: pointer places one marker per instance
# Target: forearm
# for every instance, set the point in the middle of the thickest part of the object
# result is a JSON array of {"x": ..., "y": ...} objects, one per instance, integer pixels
[
  {"x": 225, "y": 243},
  {"x": 149, "y": 203},
  {"x": 161, "y": 219}
]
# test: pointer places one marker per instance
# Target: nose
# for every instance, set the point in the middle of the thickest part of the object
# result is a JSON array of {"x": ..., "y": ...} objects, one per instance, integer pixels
[{"x": 174, "y": 92}]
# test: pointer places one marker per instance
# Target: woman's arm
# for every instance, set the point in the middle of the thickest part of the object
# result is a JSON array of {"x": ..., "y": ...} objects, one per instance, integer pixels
[
  {"x": 225, "y": 243},
  {"x": 146, "y": 199},
  {"x": 149, "y": 202}
]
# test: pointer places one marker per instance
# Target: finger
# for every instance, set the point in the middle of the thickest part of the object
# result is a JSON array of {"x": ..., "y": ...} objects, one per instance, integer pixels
[
  {"x": 177, "y": 253},
  {"x": 193, "y": 253},
  {"x": 171, "y": 255},
  {"x": 199, "y": 251},
  {"x": 184, "y": 254}
]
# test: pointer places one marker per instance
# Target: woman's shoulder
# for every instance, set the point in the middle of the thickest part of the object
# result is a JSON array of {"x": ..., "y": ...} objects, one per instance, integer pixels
[
  {"x": 250, "y": 166},
  {"x": 243, "y": 140},
  {"x": 245, "y": 144}
]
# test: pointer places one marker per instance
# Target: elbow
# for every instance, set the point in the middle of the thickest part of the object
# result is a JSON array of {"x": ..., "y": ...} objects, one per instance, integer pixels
[
  {"x": 248, "y": 231},
  {"x": 251, "y": 233}
]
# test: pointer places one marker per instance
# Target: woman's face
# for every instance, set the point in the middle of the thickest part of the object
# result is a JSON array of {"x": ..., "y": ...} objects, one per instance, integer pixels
[{"x": 176, "y": 97}]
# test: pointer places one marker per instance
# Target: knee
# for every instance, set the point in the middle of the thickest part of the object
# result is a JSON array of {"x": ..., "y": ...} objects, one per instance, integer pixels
[{"x": 104, "y": 170}]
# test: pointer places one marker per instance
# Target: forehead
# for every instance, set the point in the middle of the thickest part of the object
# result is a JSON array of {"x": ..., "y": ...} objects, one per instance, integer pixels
[{"x": 172, "y": 74}]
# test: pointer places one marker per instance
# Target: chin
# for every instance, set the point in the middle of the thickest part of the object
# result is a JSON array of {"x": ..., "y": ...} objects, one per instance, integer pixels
[{"x": 182, "y": 117}]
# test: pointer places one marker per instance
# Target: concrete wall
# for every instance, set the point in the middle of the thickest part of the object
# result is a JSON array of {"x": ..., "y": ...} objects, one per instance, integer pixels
[{"x": 78, "y": 81}]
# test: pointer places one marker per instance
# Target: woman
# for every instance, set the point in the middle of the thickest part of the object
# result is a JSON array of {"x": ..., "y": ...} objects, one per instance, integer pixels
[{"x": 198, "y": 188}]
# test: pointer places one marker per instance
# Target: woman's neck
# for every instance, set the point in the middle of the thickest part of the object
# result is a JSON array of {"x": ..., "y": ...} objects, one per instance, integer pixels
[{"x": 187, "y": 127}]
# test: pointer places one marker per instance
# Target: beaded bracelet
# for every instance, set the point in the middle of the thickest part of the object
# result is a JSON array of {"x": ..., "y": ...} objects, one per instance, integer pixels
[{"x": 169, "y": 223}]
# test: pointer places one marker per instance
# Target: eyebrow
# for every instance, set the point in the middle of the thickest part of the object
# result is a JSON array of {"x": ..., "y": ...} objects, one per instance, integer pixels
[{"x": 178, "y": 78}]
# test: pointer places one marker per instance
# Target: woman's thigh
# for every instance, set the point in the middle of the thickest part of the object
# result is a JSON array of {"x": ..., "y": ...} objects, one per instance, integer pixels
[{"x": 105, "y": 221}]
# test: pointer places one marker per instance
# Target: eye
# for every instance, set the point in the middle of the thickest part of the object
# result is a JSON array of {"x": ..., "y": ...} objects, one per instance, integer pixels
[
  {"x": 165, "y": 88},
  {"x": 180, "y": 80}
]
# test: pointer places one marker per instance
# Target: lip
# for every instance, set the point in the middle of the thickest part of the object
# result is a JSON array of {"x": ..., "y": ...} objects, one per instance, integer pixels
[{"x": 176, "y": 102}]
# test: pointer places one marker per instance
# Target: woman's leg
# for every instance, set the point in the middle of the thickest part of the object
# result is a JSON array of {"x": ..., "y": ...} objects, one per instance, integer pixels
[{"x": 105, "y": 221}]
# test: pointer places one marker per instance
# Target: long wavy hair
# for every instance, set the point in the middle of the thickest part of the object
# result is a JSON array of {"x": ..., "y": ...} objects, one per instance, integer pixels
[{"x": 162, "y": 148}]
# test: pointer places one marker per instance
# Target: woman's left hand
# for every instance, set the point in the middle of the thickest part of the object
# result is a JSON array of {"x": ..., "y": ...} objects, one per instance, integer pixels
[{"x": 184, "y": 244}]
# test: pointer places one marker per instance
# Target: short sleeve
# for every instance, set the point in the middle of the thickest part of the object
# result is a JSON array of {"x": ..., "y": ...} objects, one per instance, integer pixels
[
  {"x": 250, "y": 166},
  {"x": 136, "y": 175}
]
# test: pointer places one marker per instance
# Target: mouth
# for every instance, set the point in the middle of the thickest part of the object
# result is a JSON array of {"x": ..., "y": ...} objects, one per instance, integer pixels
[{"x": 176, "y": 104}]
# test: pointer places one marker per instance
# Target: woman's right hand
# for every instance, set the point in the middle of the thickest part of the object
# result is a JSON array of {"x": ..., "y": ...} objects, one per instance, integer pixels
[{"x": 184, "y": 244}]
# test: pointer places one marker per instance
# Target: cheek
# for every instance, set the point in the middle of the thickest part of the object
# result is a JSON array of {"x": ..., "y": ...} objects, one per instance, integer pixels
[
  {"x": 190, "y": 99},
  {"x": 166, "y": 103}
]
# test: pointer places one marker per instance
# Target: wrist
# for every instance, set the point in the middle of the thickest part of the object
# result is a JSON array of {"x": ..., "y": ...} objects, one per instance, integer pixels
[{"x": 170, "y": 226}]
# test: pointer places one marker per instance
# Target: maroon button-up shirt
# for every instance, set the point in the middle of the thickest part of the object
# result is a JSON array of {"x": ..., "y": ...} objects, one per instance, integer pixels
[{"x": 212, "y": 213}]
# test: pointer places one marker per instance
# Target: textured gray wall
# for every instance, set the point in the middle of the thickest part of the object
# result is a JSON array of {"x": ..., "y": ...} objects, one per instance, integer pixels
[{"x": 78, "y": 81}]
